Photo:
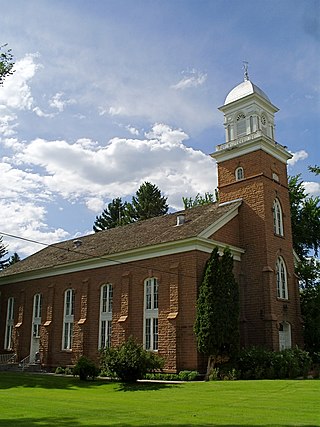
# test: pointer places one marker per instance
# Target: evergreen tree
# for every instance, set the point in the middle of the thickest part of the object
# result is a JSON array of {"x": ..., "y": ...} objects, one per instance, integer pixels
[
  {"x": 114, "y": 215},
  {"x": 217, "y": 318},
  {"x": 13, "y": 259},
  {"x": 3, "y": 253},
  {"x": 147, "y": 203}
]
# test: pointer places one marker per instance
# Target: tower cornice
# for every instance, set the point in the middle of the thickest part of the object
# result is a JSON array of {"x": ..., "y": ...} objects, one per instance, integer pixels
[{"x": 248, "y": 144}]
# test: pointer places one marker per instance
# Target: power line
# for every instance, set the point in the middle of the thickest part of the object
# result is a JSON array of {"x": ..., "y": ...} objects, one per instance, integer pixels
[{"x": 104, "y": 258}]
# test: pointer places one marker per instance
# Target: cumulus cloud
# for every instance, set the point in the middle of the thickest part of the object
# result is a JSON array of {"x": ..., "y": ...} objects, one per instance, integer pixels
[
  {"x": 312, "y": 188},
  {"x": 191, "y": 78},
  {"x": 16, "y": 92},
  {"x": 41, "y": 113},
  {"x": 86, "y": 169},
  {"x": 296, "y": 157}
]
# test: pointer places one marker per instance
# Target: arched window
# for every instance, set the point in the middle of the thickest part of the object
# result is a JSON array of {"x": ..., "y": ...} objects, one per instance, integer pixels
[
  {"x": 239, "y": 173},
  {"x": 277, "y": 218},
  {"x": 9, "y": 324},
  {"x": 264, "y": 124},
  {"x": 282, "y": 285},
  {"x": 151, "y": 314},
  {"x": 36, "y": 318},
  {"x": 68, "y": 318},
  {"x": 106, "y": 299},
  {"x": 241, "y": 124}
]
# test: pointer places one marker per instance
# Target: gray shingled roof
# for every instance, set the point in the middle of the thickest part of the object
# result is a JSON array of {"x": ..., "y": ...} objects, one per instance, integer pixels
[{"x": 138, "y": 235}]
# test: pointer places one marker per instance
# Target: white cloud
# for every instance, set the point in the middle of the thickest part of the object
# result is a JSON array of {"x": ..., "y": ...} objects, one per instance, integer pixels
[
  {"x": 40, "y": 113},
  {"x": 87, "y": 170},
  {"x": 59, "y": 103},
  {"x": 133, "y": 130},
  {"x": 192, "y": 78},
  {"x": 16, "y": 92},
  {"x": 299, "y": 155},
  {"x": 312, "y": 188},
  {"x": 95, "y": 204}
]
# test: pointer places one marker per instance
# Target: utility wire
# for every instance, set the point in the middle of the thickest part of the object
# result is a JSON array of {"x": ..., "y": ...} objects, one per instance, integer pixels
[{"x": 104, "y": 258}]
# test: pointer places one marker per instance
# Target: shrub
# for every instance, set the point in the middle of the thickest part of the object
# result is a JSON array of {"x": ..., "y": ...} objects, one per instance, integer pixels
[
  {"x": 129, "y": 361},
  {"x": 85, "y": 369},
  {"x": 258, "y": 363},
  {"x": 59, "y": 370},
  {"x": 188, "y": 375}
]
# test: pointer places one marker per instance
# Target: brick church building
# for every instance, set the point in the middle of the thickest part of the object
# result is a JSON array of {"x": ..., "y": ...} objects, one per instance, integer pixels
[{"x": 142, "y": 279}]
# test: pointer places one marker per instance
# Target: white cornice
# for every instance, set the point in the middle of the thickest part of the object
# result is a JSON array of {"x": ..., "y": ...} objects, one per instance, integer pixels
[
  {"x": 198, "y": 243},
  {"x": 249, "y": 144}
]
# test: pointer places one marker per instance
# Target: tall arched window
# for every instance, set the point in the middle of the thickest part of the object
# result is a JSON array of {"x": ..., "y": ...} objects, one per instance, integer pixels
[
  {"x": 277, "y": 218},
  {"x": 9, "y": 324},
  {"x": 36, "y": 318},
  {"x": 282, "y": 284},
  {"x": 241, "y": 124},
  {"x": 239, "y": 173},
  {"x": 68, "y": 319},
  {"x": 106, "y": 299},
  {"x": 151, "y": 314}
]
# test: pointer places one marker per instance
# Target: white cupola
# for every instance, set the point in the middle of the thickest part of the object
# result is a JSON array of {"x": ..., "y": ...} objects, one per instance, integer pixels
[{"x": 248, "y": 110}]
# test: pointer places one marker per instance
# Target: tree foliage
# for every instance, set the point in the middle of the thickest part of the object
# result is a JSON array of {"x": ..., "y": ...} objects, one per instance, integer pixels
[
  {"x": 305, "y": 218},
  {"x": 113, "y": 215},
  {"x": 217, "y": 318},
  {"x": 6, "y": 63},
  {"x": 3, "y": 253},
  {"x": 199, "y": 200},
  {"x": 147, "y": 203}
]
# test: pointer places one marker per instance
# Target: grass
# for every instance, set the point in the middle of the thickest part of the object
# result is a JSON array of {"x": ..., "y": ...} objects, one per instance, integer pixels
[{"x": 33, "y": 400}]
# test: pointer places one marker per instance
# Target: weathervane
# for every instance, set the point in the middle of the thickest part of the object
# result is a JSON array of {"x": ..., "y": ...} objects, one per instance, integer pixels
[{"x": 245, "y": 68}]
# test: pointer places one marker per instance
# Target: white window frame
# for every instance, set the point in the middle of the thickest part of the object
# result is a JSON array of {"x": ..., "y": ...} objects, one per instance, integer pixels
[
  {"x": 277, "y": 218},
  {"x": 239, "y": 173},
  {"x": 151, "y": 322},
  {"x": 68, "y": 319},
  {"x": 9, "y": 324},
  {"x": 105, "y": 323},
  {"x": 282, "y": 281},
  {"x": 36, "y": 315}
]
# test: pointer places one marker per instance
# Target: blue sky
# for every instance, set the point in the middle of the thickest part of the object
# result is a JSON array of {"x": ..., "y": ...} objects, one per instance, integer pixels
[{"x": 109, "y": 94}]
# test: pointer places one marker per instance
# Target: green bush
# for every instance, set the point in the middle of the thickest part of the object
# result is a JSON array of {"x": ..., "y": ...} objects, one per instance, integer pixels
[
  {"x": 129, "y": 361},
  {"x": 181, "y": 376},
  {"x": 85, "y": 369},
  {"x": 59, "y": 370},
  {"x": 258, "y": 363}
]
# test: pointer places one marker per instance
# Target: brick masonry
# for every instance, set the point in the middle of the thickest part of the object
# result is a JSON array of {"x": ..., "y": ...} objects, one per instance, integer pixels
[{"x": 179, "y": 276}]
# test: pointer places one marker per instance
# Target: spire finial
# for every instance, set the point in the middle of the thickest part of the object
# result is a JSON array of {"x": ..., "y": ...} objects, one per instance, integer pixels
[{"x": 245, "y": 68}]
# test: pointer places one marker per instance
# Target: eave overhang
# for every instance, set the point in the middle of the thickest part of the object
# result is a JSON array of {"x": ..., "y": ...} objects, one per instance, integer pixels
[{"x": 198, "y": 243}]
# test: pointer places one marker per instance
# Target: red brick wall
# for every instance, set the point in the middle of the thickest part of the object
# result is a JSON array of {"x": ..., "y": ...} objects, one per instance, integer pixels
[{"x": 262, "y": 310}]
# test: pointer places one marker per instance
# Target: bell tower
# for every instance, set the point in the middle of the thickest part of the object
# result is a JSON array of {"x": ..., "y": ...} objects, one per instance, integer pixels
[{"x": 252, "y": 166}]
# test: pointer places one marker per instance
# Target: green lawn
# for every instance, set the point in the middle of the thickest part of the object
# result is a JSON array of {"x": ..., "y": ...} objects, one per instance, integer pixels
[{"x": 28, "y": 400}]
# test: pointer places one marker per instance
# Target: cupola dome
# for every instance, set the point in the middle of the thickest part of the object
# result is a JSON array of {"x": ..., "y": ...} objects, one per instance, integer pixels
[{"x": 242, "y": 90}]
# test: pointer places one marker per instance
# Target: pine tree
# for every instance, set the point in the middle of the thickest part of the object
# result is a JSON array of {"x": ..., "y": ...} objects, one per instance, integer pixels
[
  {"x": 217, "y": 319},
  {"x": 147, "y": 203},
  {"x": 114, "y": 215},
  {"x": 3, "y": 253}
]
